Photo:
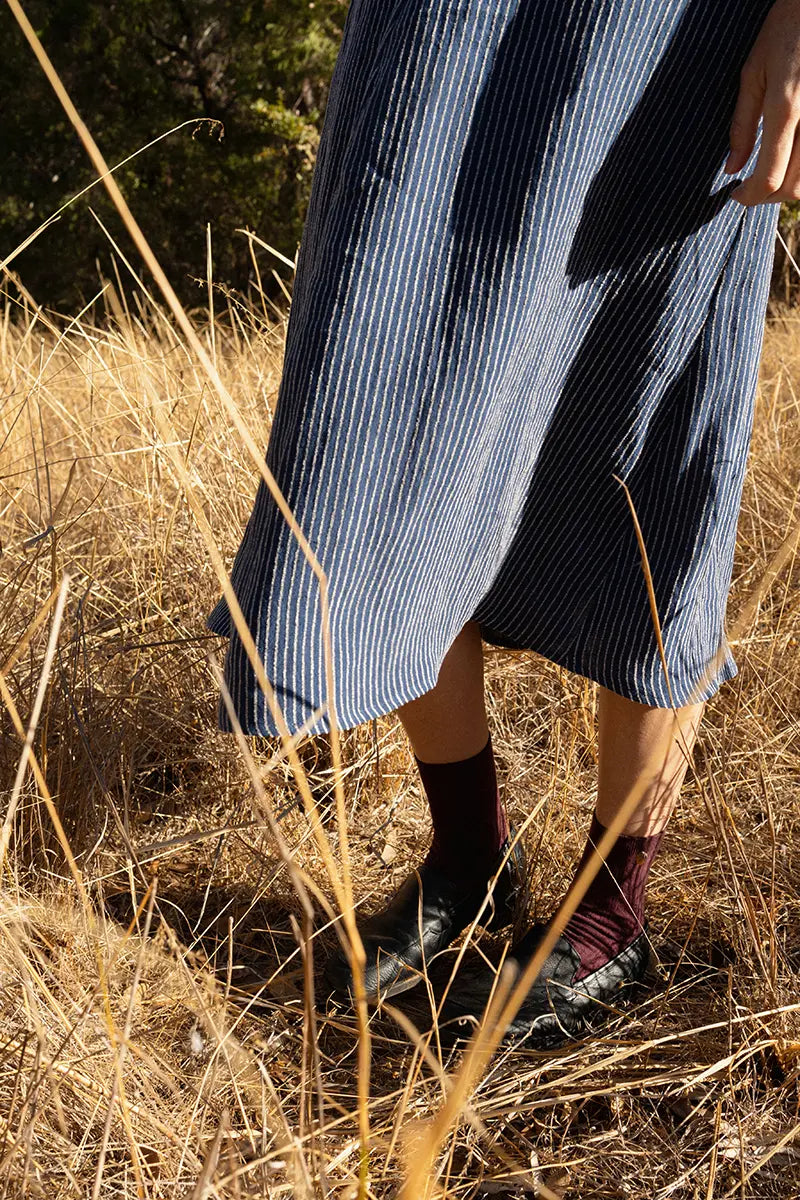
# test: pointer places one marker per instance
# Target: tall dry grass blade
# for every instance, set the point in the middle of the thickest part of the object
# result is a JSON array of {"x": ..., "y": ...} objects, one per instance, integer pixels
[
  {"x": 248, "y": 233},
  {"x": 44, "y": 792},
  {"x": 300, "y": 883},
  {"x": 27, "y": 750},
  {"x": 205, "y": 1180},
  {"x": 195, "y": 122},
  {"x": 210, "y": 286},
  {"x": 786, "y": 250},
  {"x": 790, "y": 1136},
  {"x": 25, "y": 641},
  {"x": 521, "y": 1175},
  {"x": 356, "y": 949},
  {"x": 782, "y": 557},
  {"x": 257, "y": 270},
  {"x": 120, "y": 1045},
  {"x": 651, "y": 595}
]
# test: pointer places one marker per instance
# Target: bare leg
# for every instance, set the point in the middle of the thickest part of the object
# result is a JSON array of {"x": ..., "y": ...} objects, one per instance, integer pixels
[
  {"x": 640, "y": 748},
  {"x": 631, "y": 737},
  {"x": 449, "y": 736},
  {"x": 449, "y": 722},
  {"x": 644, "y": 750}
]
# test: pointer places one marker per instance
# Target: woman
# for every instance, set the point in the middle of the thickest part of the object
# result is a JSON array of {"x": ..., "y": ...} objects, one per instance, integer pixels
[{"x": 529, "y": 303}]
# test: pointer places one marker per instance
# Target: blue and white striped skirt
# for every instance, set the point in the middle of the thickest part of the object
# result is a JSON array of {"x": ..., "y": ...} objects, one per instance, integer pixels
[{"x": 522, "y": 283}]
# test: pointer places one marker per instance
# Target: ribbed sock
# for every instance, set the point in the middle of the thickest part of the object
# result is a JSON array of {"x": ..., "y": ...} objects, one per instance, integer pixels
[
  {"x": 469, "y": 824},
  {"x": 611, "y": 913}
]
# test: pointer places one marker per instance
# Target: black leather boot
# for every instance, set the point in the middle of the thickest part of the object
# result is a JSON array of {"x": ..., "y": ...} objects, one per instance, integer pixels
[
  {"x": 402, "y": 939},
  {"x": 557, "y": 1008}
]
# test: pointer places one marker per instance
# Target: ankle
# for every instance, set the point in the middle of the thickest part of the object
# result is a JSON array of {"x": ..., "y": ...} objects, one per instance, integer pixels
[
  {"x": 611, "y": 913},
  {"x": 469, "y": 824},
  {"x": 473, "y": 863}
]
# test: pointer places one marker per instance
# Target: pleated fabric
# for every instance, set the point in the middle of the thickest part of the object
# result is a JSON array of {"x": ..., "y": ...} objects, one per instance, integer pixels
[{"x": 522, "y": 283}]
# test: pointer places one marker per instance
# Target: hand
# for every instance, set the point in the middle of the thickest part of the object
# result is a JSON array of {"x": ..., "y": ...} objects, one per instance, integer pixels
[{"x": 769, "y": 83}]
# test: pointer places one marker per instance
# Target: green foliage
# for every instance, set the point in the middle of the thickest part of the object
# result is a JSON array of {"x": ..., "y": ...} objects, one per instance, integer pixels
[{"x": 137, "y": 68}]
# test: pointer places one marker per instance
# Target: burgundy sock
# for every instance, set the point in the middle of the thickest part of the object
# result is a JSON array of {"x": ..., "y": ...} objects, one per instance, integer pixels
[
  {"x": 611, "y": 913},
  {"x": 469, "y": 825}
]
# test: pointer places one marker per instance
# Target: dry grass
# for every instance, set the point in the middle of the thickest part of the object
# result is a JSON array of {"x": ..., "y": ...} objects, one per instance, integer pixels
[
  {"x": 154, "y": 868},
  {"x": 156, "y": 1041},
  {"x": 155, "y": 1035}
]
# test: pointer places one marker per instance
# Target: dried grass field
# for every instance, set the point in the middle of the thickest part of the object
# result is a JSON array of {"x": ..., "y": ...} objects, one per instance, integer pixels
[{"x": 158, "y": 1036}]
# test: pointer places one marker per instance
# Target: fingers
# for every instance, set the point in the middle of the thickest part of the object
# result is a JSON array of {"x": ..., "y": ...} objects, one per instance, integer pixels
[
  {"x": 790, "y": 188},
  {"x": 780, "y": 117},
  {"x": 769, "y": 92},
  {"x": 744, "y": 124}
]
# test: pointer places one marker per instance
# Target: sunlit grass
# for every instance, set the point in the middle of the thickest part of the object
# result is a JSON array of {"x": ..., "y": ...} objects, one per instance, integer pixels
[{"x": 157, "y": 1036}]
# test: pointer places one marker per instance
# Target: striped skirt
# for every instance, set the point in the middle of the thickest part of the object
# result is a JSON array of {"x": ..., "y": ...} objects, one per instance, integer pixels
[{"x": 524, "y": 303}]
